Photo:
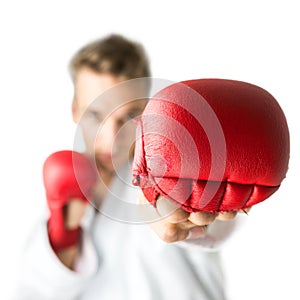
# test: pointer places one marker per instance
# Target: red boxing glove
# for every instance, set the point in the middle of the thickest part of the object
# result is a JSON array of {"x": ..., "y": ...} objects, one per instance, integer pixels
[
  {"x": 211, "y": 145},
  {"x": 67, "y": 175}
]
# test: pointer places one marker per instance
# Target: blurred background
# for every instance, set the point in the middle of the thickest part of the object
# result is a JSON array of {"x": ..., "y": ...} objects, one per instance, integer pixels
[{"x": 254, "y": 41}]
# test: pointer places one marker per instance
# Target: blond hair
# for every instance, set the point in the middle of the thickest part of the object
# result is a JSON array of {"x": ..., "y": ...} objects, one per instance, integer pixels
[{"x": 113, "y": 54}]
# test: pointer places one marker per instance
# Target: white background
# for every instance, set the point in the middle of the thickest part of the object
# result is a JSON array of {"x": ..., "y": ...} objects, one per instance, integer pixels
[{"x": 254, "y": 41}]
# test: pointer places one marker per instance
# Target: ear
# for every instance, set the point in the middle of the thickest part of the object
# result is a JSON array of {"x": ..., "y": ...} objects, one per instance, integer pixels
[{"x": 75, "y": 115}]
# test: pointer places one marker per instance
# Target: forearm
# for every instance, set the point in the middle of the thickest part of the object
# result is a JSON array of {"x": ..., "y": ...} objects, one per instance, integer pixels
[
  {"x": 69, "y": 256},
  {"x": 44, "y": 275}
]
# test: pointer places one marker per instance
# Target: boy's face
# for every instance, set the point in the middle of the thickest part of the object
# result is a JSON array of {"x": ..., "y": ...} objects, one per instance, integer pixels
[{"x": 105, "y": 106}]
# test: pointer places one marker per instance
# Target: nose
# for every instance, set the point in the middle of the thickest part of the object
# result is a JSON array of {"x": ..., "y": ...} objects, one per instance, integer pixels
[{"x": 107, "y": 134}]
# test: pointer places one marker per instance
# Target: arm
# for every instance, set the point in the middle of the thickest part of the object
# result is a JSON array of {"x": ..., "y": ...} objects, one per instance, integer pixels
[
  {"x": 69, "y": 178},
  {"x": 59, "y": 243},
  {"x": 74, "y": 212},
  {"x": 44, "y": 276}
]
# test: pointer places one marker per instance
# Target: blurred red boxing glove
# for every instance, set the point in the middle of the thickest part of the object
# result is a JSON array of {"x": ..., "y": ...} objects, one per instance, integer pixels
[
  {"x": 68, "y": 175},
  {"x": 211, "y": 145}
]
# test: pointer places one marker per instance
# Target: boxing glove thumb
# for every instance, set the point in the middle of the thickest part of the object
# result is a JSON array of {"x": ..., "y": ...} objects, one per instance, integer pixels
[{"x": 67, "y": 175}]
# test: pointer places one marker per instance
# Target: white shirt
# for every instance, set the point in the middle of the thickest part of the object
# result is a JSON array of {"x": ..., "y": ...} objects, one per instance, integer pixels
[{"x": 121, "y": 260}]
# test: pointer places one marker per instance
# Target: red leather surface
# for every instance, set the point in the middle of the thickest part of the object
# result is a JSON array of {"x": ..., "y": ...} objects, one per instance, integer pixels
[
  {"x": 211, "y": 145},
  {"x": 67, "y": 175}
]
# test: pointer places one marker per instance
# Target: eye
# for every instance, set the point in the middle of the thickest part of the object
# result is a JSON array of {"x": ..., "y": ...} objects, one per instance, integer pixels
[
  {"x": 124, "y": 119},
  {"x": 133, "y": 114},
  {"x": 95, "y": 116}
]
